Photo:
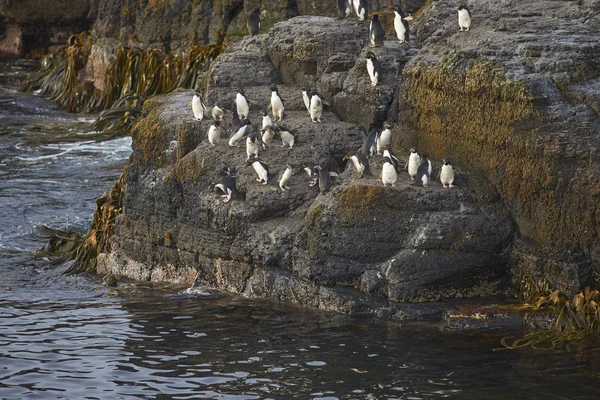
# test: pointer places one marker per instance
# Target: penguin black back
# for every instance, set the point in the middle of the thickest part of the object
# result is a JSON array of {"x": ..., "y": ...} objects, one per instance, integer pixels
[
  {"x": 253, "y": 22},
  {"x": 376, "y": 31}
]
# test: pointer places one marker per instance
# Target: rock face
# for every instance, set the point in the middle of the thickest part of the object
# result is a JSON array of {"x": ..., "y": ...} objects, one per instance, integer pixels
[
  {"x": 512, "y": 99},
  {"x": 27, "y": 25},
  {"x": 358, "y": 248}
]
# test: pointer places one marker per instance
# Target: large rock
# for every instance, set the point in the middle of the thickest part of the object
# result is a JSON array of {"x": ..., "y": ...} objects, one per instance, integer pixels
[{"x": 514, "y": 100}]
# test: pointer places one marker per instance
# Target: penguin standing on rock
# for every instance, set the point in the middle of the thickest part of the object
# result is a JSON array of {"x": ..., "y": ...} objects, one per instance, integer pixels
[
  {"x": 388, "y": 173},
  {"x": 241, "y": 104},
  {"x": 240, "y": 133},
  {"x": 464, "y": 18},
  {"x": 228, "y": 187},
  {"x": 344, "y": 8},
  {"x": 214, "y": 133},
  {"x": 309, "y": 168},
  {"x": 266, "y": 120},
  {"x": 316, "y": 107},
  {"x": 447, "y": 174},
  {"x": 253, "y": 22},
  {"x": 268, "y": 133},
  {"x": 387, "y": 152},
  {"x": 361, "y": 8},
  {"x": 261, "y": 168},
  {"x": 424, "y": 171},
  {"x": 287, "y": 138},
  {"x": 276, "y": 104},
  {"x": 376, "y": 32},
  {"x": 306, "y": 97},
  {"x": 218, "y": 112},
  {"x": 373, "y": 68},
  {"x": 198, "y": 107},
  {"x": 285, "y": 177},
  {"x": 384, "y": 139},
  {"x": 361, "y": 163},
  {"x": 369, "y": 146},
  {"x": 252, "y": 146},
  {"x": 401, "y": 24},
  {"x": 324, "y": 178},
  {"x": 413, "y": 164}
]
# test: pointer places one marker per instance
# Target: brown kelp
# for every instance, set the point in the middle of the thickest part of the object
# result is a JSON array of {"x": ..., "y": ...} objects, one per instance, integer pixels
[
  {"x": 575, "y": 319},
  {"x": 134, "y": 75}
]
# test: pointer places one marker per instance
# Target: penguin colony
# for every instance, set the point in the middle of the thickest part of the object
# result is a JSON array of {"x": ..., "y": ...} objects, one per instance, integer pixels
[{"x": 378, "y": 141}]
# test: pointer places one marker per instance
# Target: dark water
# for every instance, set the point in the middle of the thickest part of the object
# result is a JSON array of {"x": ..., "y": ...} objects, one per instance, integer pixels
[{"x": 71, "y": 338}]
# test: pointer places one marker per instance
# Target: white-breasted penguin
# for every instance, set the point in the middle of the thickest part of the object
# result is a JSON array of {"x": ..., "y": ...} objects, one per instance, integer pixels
[
  {"x": 277, "y": 104},
  {"x": 464, "y": 18},
  {"x": 401, "y": 24},
  {"x": 228, "y": 187},
  {"x": 287, "y": 138},
  {"x": 285, "y": 177},
  {"x": 361, "y": 8},
  {"x": 388, "y": 173},
  {"x": 253, "y": 22},
  {"x": 344, "y": 8},
  {"x": 376, "y": 32},
  {"x": 369, "y": 146},
  {"x": 447, "y": 174},
  {"x": 218, "y": 112},
  {"x": 306, "y": 98},
  {"x": 261, "y": 168},
  {"x": 266, "y": 120},
  {"x": 214, "y": 133},
  {"x": 387, "y": 152},
  {"x": 267, "y": 135},
  {"x": 384, "y": 138},
  {"x": 309, "y": 168},
  {"x": 413, "y": 163},
  {"x": 242, "y": 131},
  {"x": 198, "y": 107},
  {"x": 373, "y": 68},
  {"x": 361, "y": 163},
  {"x": 424, "y": 171},
  {"x": 241, "y": 104},
  {"x": 316, "y": 107},
  {"x": 252, "y": 146}
]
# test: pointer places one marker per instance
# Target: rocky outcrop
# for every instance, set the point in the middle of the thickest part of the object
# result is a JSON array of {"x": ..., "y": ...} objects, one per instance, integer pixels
[
  {"x": 512, "y": 99},
  {"x": 359, "y": 248}
]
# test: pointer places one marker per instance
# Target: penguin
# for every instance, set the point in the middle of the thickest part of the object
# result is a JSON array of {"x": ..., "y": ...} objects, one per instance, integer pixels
[
  {"x": 218, "y": 112},
  {"x": 285, "y": 177},
  {"x": 276, "y": 104},
  {"x": 267, "y": 135},
  {"x": 401, "y": 24},
  {"x": 261, "y": 168},
  {"x": 376, "y": 32},
  {"x": 198, "y": 107},
  {"x": 413, "y": 164},
  {"x": 369, "y": 146},
  {"x": 464, "y": 18},
  {"x": 309, "y": 168},
  {"x": 252, "y": 146},
  {"x": 241, "y": 104},
  {"x": 236, "y": 123},
  {"x": 306, "y": 97},
  {"x": 214, "y": 133},
  {"x": 324, "y": 178},
  {"x": 253, "y": 22},
  {"x": 361, "y": 163},
  {"x": 266, "y": 120},
  {"x": 384, "y": 138},
  {"x": 373, "y": 68},
  {"x": 447, "y": 174},
  {"x": 388, "y": 173},
  {"x": 287, "y": 138},
  {"x": 424, "y": 171},
  {"x": 228, "y": 187},
  {"x": 361, "y": 8},
  {"x": 240, "y": 133},
  {"x": 387, "y": 152},
  {"x": 344, "y": 8},
  {"x": 316, "y": 107}
]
